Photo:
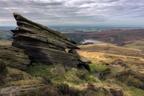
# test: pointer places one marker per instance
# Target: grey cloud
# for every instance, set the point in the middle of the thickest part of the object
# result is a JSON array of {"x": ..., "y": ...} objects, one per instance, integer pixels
[{"x": 72, "y": 11}]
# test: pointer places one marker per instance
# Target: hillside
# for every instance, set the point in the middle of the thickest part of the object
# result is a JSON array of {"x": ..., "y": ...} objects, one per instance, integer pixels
[
  {"x": 111, "y": 73},
  {"x": 112, "y": 49},
  {"x": 115, "y": 36},
  {"x": 108, "y": 53},
  {"x": 126, "y": 65},
  {"x": 44, "y": 62}
]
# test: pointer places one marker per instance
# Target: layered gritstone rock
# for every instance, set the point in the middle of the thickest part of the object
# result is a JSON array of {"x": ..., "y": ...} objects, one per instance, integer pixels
[
  {"x": 13, "y": 57},
  {"x": 44, "y": 45}
]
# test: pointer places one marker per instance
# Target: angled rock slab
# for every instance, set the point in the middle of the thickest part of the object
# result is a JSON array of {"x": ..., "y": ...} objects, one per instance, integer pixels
[{"x": 43, "y": 44}]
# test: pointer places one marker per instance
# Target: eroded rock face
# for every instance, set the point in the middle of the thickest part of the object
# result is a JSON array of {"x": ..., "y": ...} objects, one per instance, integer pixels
[
  {"x": 43, "y": 44},
  {"x": 13, "y": 57}
]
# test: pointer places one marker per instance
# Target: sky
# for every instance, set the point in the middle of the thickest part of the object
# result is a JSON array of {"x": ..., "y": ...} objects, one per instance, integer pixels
[{"x": 75, "y": 12}]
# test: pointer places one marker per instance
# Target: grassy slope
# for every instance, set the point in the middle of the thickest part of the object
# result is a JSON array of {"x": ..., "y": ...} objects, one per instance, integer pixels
[
  {"x": 79, "y": 79},
  {"x": 112, "y": 49},
  {"x": 101, "y": 55}
]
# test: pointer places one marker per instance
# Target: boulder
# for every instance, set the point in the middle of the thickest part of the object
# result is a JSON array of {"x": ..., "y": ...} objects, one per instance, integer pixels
[
  {"x": 116, "y": 92},
  {"x": 42, "y": 44}
]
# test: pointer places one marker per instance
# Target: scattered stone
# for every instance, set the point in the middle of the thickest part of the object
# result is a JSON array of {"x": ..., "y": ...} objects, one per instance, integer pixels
[
  {"x": 119, "y": 62},
  {"x": 116, "y": 92}
]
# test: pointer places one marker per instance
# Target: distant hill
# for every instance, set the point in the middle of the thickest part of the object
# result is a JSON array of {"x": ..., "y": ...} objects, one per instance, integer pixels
[
  {"x": 115, "y": 36},
  {"x": 119, "y": 36}
]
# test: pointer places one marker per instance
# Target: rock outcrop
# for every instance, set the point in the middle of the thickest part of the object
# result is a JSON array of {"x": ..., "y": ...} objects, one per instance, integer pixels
[{"x": 44, "y": 45}]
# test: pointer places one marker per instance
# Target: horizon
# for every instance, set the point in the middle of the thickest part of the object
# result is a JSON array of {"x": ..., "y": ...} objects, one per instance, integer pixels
[{"x": 88, "y": 25}]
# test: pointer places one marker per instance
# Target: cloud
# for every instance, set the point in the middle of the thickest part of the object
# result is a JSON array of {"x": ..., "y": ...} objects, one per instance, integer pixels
[{"x": 71, "y": 11}]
